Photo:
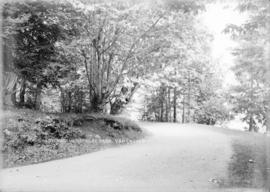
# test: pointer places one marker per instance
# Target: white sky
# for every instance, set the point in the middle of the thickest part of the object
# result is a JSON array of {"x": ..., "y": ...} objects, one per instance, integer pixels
[{"x": 216, "y": 18}]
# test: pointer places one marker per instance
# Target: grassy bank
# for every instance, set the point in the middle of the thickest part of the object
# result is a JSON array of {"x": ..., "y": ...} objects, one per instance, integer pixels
[{"x": 33, "y": 137}]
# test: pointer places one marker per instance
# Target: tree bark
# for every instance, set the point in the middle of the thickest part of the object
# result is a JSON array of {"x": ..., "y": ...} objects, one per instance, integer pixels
[
  {"x": 174, "y": 105},
  {"x": 38, "y": 97},
  {"x": 9, "y": 88},
  {"x": 250, "y": 128},
  {"x": 268, "y": 122},
  {"x": 183, "y": 112},
  {"x": 22, "y": 93},
  {"x": 169, "y": 104},
  {"x": 69, "y": 101},
  {"x": 13, "y": 95},
  {"x": 81, "y": 102},
  {"x": 161, "y": 112},
  {"x": 189, "y": 88},
  {"x": 166, "y": 105},
  {"x": 62, "y": 99},
  {"x": 96, "y": 104},
  {"x": 162, "y": 104}
]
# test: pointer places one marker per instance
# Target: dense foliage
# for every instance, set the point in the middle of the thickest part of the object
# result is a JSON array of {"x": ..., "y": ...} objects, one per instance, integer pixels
[
  {"x": 31, "y": 137},
  {"x": 43, "y": 130},
  {"x": 251, "y": 96},
  {"x": 30, "y": 36},
  {"x": 187, "y": 79},
  {"x": 97, "y": 55}
]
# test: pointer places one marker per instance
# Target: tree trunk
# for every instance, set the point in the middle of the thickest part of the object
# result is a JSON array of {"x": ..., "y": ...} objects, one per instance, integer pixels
[
  {"x": 183, "y": 112},
  {"x": 189, "y": 88},
  {"x": 169, "y": 105},
  {"x": 126, "y": 94},
  {"x": 38, "y": 97},
  {"x": 97, "y": 104},
  {"x": 80, "y": 102},
  {"x": 250, "y": 128},
  {"x": 63, "y": 99},
  {"x": 22, "y": 93},
  {"x": 116, "y": 107},
  {"x": 13, "y": 95},
  {"x": 69, "y": 101},
  {"x": 268, "y": 122},
  {"x": 161, "y": 112},
  {"x": 174, "y": 105},
  {"x": 161, "y": 101},
  {"x": 166, "y": 105},
  {"x": 9, "y": 88}
]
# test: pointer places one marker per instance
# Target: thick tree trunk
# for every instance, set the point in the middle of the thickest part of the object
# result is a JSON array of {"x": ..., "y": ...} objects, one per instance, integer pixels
[
  {"x": 38, "y": 97},
  {"x": 9, "y": 88},
  {"x": 97, "y": 104},
  {"x": 116, "y": 107},
  {"x": 174, "y": 105},
  {"x": 126, "y": 94},
  {"x": 13, "y": 95},
  {"x": 10, "y": 97}
]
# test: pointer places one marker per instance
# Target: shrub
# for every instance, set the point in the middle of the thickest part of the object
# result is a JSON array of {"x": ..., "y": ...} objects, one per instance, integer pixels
[
  {"x": 38, "y": 133},
  {"x": 211, "y": 112},
  {"x": 18, "y": 139},
  {"x": 115, "y": 122},
  {"x": 59, "y": 129}
]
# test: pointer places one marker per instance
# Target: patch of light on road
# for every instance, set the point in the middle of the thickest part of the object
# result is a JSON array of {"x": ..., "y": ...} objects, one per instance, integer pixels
[{"x": 176, "y": 130}]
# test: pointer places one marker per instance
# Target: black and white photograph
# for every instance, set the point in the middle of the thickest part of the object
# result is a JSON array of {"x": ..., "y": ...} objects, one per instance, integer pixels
[{"x": 135, "y": 96}]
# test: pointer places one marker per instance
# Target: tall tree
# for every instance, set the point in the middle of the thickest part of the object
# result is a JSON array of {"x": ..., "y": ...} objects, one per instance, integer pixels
[
  {"x": 33, "y": 29},
  {"x": 112, "y": 46},
  {"x": 251, "y": 97}
]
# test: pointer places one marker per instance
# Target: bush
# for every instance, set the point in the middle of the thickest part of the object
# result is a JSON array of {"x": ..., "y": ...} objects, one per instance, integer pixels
[
  {"x": 59, "y": 129},
  {"x": 38, "y": 133},
  {"x": 21, "y": 137},
  {"x": 211, "y": 112},
  {"x": 116, "y": 122}
]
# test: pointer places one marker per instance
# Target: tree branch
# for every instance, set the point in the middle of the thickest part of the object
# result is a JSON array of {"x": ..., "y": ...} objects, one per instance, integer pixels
[{"x": 130, "y": 51}]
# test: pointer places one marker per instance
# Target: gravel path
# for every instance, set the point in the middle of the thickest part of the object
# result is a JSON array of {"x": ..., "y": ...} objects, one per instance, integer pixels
[{"x": 173, "y": 158}]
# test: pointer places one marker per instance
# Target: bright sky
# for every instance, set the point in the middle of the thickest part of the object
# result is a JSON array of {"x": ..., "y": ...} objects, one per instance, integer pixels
[{"x": 216, "y": 18}]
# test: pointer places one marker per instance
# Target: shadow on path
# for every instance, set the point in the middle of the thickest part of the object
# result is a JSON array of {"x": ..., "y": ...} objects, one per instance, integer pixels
[{"x": 249, "y": 164}]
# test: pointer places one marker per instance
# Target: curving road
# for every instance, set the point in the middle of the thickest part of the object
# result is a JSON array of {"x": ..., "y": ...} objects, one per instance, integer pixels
[{"x": 173, "y": 158}]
